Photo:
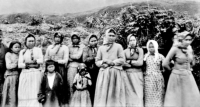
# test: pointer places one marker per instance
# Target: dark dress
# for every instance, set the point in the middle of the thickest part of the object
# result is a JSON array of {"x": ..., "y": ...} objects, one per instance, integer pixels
[
  {"x": 89, "y": 55},
  {"x": 51, "y": 97}
]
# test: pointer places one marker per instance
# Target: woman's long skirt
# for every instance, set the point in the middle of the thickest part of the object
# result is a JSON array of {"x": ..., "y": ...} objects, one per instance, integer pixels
[
  {"x": 10, "y": 88},
  {"x": 110, "y": 89},
  {"x": 134, "y": 87},
  {"x": 63, "y": 72},
  {"x": 29, "y": 83},
  {"x": 81, "y": 99},
  {"x": 72, "y": 71},
  {"x": 182, "y": 90}
]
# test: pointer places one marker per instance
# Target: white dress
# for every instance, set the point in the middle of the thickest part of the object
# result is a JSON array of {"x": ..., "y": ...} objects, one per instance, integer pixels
[{"x": 29, "y": 80}]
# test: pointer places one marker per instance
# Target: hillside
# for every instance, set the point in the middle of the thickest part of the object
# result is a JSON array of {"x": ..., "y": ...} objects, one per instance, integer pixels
[{"x": 190, "y": 7}]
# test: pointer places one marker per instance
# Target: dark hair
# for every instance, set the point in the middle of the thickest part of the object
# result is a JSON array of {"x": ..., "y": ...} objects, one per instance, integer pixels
[
  {"x": 60, "y": 36},
  {"x": 51, "y": 62},
  {"x": 28, "y": 36},
  {"x": 12, "y": 44}
]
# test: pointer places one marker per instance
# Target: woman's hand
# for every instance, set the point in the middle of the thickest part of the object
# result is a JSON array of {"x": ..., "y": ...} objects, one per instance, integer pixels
[
  {"x": 109, "y": 62},
  {"x": 126, "y": 65}
]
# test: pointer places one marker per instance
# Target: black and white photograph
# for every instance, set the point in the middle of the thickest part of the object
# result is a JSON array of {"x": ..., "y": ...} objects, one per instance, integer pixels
[{"x": 99, "y": 53}]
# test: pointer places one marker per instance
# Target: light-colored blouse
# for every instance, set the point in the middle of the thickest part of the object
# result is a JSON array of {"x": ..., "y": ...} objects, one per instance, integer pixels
[
  {"x": 11, "y": 63},
  {"x": 115, "y": 54},
  {"x": 59, "y": 53},
  {"x": 82, "y": 82},
  {"x": 25, "y": 56},
  {"x": 75, "y": 54}
]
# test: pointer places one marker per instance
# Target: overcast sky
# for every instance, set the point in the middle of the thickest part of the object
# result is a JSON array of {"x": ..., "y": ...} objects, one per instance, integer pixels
[{"x": 55, "y": 6}]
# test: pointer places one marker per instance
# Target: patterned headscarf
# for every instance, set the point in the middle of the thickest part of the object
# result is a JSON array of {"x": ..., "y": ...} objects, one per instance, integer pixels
[{"x": 132, "y": 50}]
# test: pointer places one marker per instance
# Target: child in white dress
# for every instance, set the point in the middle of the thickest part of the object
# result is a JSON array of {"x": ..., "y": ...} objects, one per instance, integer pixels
[{"x": 81, "y": 97}]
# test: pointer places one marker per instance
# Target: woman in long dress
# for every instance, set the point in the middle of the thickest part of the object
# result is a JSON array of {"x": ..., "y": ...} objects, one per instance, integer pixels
[
  {"x": 75, "y": 58},
  {"x": 153, "y": 79},
  {"x": 89, "y": 54},
  {"x": 182, "y": 90},
  {"x": 30, "y": 77},
  {"x": 60, "y": 54},
  {"x": 110, "y": 89},
  {"x": 133, "y": 67},
  {"x": 11, "y": 76}
]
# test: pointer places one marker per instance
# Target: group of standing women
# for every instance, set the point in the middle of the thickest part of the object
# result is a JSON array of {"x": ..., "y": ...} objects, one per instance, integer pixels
[{"x": 109, "y": 77}]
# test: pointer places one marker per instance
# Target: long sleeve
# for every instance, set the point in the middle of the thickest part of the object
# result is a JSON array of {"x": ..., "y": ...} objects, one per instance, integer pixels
[
  {"x": 79, "y": 54},
  {"x": 86, "y": 57},
  {"x": 66, "y": 56},
  {"x": 40, "y": 56},
  {"x": 99, "y": 59},
  {"x": 167, "y": 60},
  {"x": 121, "y": 56},
  {"x": 41, "y": 93},
  {"x": 139, "y": 61},
  {"x": 47, "y": 54},
  {"x": 9, "y": 63},
  {"x": 21, "y": 63},
  {"x": 60, "y": 88}
]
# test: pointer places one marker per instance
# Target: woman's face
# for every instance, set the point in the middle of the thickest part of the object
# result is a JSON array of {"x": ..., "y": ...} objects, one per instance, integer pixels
[
  {"x": 30, "y": 42},
  {"x": 187, "y": 41},
  {"x": 151, "y": 48},
  {"x": 51, "y": 68},
  {"x": 57, "y": 40},
  {"x": 132, "y": 41},
  {"x": 16, "y": 48},
  {"x": 75, "y": 40},
  {"x": 111, "y": 37},
  {"x": 93, "y": 41}
]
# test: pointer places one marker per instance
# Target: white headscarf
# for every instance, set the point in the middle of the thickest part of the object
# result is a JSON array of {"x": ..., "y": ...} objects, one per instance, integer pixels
[
  {"x": 105, "y": 38},
  {"x": 155, "y": 44}
]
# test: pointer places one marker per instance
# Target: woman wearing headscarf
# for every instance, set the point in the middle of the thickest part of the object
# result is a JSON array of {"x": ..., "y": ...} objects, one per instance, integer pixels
[
  {"x": 89, "y": 54},
  {"x": 133, "y": 67},
  {"x": 30, "y": 77},
  {"x": 182, "y": 90},
  {"x": 153, "y": 78},
  {"x": 75, "y": 58},
  {"x": 110, "y": 89},
  {"x": 60, "y": 54}
]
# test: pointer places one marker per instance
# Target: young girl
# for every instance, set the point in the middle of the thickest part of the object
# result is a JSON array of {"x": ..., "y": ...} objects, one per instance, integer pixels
[
  {"x": 11, "y": 76},
  {"x": 82, "y": 80},
  {"x": 153, "y": 79},
  {"x": 51, "y": 86}
]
